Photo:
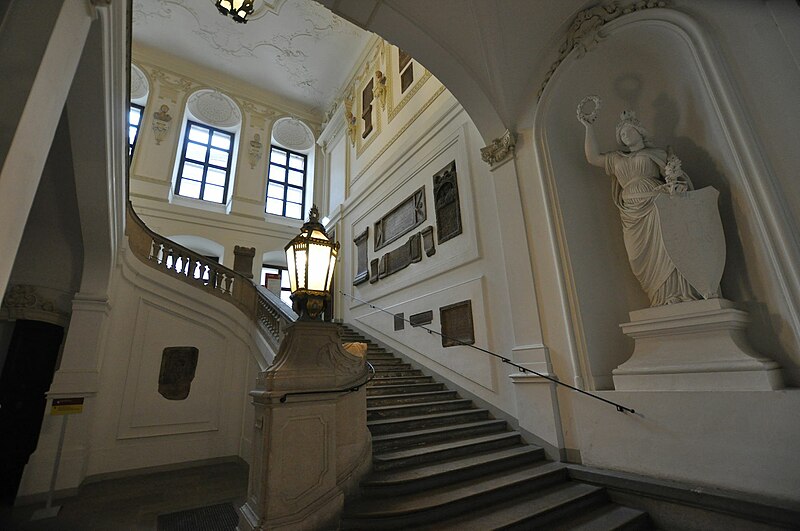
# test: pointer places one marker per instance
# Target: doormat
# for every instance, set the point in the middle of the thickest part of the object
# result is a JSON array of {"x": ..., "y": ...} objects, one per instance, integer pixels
[{"x": 221, "y": 517}]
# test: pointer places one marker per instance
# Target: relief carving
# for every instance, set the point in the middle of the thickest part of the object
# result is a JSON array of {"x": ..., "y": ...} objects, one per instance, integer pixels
[
  {"x": 447, "y": 204},
  {"x": 178, "y": 366}
]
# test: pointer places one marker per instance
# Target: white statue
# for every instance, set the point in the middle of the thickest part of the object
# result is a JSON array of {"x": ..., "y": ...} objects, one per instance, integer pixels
[{"x": 657, "y": 214}]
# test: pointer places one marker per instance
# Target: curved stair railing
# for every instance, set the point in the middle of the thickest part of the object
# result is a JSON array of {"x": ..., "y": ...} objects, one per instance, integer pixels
[{"x": 269, "y": 313}]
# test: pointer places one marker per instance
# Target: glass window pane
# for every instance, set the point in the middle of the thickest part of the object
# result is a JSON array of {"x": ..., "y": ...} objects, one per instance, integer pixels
[
  {"x": 189, "y": 189},
  {"x": 285, "y": 278},
  {"x": 218, "y": 157},
  {"x": 214, "y": 193},
  {"x": 134, "y": 116},
  {"x": 215, "y": 176},
  {"x": 131, "y": 134},
  {"x": 297, "y": 162},
  {"x": 196, "y": 152},
  {"x": 295, "y": 195},
  {"x": 277, "y": 156},
  {"x": 295, "y": 178},
  {"x": 221, "y": 140},
  {"x": 286, "y": 297},
  {"x": 271, "y": 270},
  {"x": 276, "y": 173},
  {"x": 198, "y": 134},
  {"x": 274, "y": 206},
  {"x": 293, "y": 210},
  {"x": 192, "y": 171},
  {"x": 275, "y": 190}
]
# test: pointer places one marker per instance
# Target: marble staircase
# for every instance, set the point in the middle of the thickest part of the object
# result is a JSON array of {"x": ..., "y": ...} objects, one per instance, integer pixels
[{"x": 440, "y": 462}]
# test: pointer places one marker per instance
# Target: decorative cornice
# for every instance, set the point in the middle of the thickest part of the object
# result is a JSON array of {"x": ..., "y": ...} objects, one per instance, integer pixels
[
  {"x": 500, "y": 150},
  {"x": 23, "y": 301},
  {"x": 586, "y": 30}
]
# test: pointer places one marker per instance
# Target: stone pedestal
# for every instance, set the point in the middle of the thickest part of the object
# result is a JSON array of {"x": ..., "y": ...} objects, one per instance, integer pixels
[
  {"x": 693, "y": 346},
  {"x": 310, "y": 446}
]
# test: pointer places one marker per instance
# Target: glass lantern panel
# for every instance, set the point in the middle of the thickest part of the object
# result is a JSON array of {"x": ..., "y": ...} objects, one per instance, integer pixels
[
  {"x": 318, "y": 264},
  {"x": 290, "y": 265},
  {"x": 330, "y": 272},
  {"x": 301, "y": 258}
]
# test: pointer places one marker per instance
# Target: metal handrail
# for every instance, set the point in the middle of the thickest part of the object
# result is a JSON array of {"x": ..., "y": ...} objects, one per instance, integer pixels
[
  {"x": 620, "y": 407},
  {"x": 349, "y": 389}
]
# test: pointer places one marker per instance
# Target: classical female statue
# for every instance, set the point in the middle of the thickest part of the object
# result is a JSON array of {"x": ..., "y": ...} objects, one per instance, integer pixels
[{"x": 636, "y": 173}]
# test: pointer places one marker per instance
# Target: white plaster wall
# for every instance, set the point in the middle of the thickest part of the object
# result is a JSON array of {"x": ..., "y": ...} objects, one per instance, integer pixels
[
  {"x": 129, "y": 424},
  {"x": 743, "y": 441},
  {"x": 467, "y": 267}
]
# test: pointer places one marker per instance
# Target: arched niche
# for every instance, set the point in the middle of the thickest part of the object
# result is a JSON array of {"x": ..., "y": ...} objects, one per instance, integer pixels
[
  {"x": 658, "y": 63},
  {"x": 140, "y": 86}
]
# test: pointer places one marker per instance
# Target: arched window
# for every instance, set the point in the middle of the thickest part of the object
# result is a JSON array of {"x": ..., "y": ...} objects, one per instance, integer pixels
[
  {"x": 290, "y": 175},
  {"x": 207, "y": 156},
  {"x": 140, "y": 88}
]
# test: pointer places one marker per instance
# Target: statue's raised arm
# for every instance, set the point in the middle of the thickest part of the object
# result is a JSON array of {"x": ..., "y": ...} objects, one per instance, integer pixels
[{"x": 593, "y": 155}]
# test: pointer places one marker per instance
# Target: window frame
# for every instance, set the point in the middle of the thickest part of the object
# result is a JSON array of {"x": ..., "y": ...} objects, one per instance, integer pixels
[
  {"x": 281, "y": 271},
  {"x": 132, "y": 143},
  {"x": 206, "y": 164},
  {"x": 285, "y": 183}
]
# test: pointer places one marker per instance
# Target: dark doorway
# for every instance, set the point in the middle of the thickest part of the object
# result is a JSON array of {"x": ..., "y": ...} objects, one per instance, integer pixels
[{"x": 27, "y": 375}]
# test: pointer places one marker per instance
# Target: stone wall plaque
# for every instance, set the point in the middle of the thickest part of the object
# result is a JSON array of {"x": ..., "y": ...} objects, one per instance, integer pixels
[
  {"x": 178, "y": 365},
  {"x": 406, "y": 216},
  {"x": 422, "y": 318},
  {"x": 447, "y": 204},
  {"x": 457, "y": 328},
  {"x": 399, "y": 321},
  {"x": 373, "y": 269},
  {"x": 402, "y": 257},
  {"x": 362, "y": 260},
  {"x": 427, "y": 241}
]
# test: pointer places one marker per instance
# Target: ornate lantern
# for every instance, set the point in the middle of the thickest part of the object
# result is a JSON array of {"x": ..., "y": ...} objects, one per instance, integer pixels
[
  {"x": 310, "y": 258},
  {"x": 237, "y": 9}
]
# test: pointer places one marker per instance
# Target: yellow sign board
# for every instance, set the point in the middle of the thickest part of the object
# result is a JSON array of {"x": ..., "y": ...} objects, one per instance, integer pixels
[{"x": 67, "y": 406}]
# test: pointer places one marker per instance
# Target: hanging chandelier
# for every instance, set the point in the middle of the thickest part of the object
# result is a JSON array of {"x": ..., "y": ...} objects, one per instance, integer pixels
[{"x": 239, "y": 10}]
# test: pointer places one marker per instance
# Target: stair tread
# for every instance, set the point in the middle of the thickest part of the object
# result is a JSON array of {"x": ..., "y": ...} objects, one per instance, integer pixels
[
  {"x": 402, "y": 407},
  {"x": 394, "y": 477},
  {"x": 396, "y": 380},
  {"x": 410, "y": 395},
  {"x": 520, "y": 508},
  {"x": 439, "y": 429},
  {"x": 428, "y": 416},
  {"x": 429, "y": 499},
  {"x": 440, "y": 447},
  {"x": 607, "y": 517}
]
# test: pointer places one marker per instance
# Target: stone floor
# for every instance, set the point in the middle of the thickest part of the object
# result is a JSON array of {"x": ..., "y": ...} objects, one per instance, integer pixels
[{"x": 132, "y": 503}]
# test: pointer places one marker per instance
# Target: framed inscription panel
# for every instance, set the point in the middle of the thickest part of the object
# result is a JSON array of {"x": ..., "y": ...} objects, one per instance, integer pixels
[
  {"x": 362, "y": 262},
  {"x": 447, "y": 203},
  {"x": 457, "y": 327},
  {"x": 406, "y": 216}
]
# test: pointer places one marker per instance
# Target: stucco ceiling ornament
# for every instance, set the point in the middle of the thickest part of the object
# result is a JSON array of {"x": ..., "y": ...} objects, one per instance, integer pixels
[
  {"x": 214, "y": 108},
  {"x": 586, "y": 30},
  {"x": 500, "y": 150},
  {"x": 293, "y": 134},
  {"x": 379, "y": 92},
  {"x": 139, "y": 85},
  {"x": 352, "y": 122}
]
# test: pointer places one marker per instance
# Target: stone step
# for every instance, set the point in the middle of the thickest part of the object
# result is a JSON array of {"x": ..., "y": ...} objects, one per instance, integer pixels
[
  {"x": 389, "y": 372},
  {"x": 532, "y": 510},
  {"x": 399, "y": 380},
  {"x": 435, "y": 505},
  {"x": 609, "y": 517},
  {"x": 433, "y": 475},
  {"x": 421, "y": 422},
  {"x": 408, "y": 410},
  {"x": 432, "y": 453},
  {"x": 387, "y": 362},
  {"x": 410, "y": 398},
  {"x": 380, "y": 356},
  {"x": 403, "y": 388},
  {"x": 398, "y": 441}
]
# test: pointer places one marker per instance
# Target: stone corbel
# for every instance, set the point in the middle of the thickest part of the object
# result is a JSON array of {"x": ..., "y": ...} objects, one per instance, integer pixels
[{"x": 500, "y": 151}]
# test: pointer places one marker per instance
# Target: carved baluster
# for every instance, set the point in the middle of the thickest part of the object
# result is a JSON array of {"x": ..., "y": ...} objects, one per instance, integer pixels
[
  {"x": 151, "y": 253},
  {"x": 169, "y": 259}
]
